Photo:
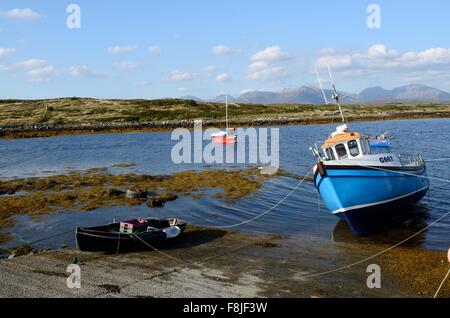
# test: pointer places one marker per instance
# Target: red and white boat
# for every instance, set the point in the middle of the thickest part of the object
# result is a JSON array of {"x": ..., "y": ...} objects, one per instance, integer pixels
[{"x": 229, "y": 136}]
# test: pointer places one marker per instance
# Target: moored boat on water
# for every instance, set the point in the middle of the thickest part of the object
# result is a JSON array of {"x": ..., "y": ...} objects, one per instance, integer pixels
[
  {"x": 229, "y": 136},
  {"x": 362, "y": 188},
  {"x": 381, "y": 141},
  {"x": 128, "y": 235}
]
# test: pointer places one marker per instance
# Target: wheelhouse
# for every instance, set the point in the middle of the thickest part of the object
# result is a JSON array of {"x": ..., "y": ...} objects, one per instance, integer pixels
[{"x": 345, "y": 145}]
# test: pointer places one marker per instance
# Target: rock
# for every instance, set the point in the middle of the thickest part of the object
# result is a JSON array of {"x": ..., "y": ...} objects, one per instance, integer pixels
[
  {"x": 136, "y": 194},
  {"x": 268, "y": 170},
  {"x": 11, "y": 256},
  {"x": 158, "y": 201},
  {"x": 115, "y": 193}
]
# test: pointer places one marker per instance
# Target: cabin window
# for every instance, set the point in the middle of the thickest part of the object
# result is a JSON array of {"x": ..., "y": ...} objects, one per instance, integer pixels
[
  {"x": 330, "y": 154},
  {"x": 365, "y": 148},
  {"x": 353, "y": 148},
  {"x": 341, "y": 151}
]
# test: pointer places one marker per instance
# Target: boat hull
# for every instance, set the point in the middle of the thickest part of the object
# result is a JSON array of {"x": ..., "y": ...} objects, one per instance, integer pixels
[
  {"x": 224, "y": 140},
  {"x": 367, "y": 198},
  {"x": 380, "y": 143},
  {"x": 102, "y": 239}
]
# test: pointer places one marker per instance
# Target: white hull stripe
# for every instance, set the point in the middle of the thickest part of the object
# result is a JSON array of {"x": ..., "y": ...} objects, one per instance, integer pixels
[{"x": 355, "y": 207}]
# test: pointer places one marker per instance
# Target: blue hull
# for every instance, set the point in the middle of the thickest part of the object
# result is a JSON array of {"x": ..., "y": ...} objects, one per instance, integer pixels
[
  {"x": 380, "y": 143},
  {"x": 368, "y": 199}
]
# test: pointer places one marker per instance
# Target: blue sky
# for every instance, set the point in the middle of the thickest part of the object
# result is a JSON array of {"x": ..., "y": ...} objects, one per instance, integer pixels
[{"x": 153, "y": 49}]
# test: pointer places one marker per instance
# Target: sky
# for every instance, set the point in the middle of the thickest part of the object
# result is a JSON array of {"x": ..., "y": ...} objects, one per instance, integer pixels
[{"x": 173, "y": 48}]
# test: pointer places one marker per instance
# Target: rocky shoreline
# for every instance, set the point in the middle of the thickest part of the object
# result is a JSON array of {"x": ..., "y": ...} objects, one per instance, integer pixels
[{"x": 48, "y": 130}]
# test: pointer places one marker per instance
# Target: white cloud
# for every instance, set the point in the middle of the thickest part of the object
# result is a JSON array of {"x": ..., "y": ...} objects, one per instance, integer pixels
[
  {"x": 182, "y": 89},
  {"x": 431, "y": 65},
  {"x": 247, "y": 90},
  {"x": 272, "y": 53},
  {"x": 335, "y": 61},
  {"x": 268, "y": 73},
  {"x": 22, "y": 14},
  {"x": 209, "y": 70},
  {"x": 29, "y": 64},
  {"x": 6, "y": 52},
  {"x": 154, "y": 49},
  {"x": 380, "y": 51},
  {"x": 42, "y": 74},
  {"x": 83, "y": 71},
  {"x": 257, "y": 66},
  {"x": 223, "y": 78},
  {"x": 379, "y": 57},
  {"x": 38, "y": 70},
  {"x": 129, "y": 65},
  {"x": 222, "y": 50},
  {"x": 121, "y": 49},
  {"x": 179, "y": 75},
  {"x": 268, "y": 64}
]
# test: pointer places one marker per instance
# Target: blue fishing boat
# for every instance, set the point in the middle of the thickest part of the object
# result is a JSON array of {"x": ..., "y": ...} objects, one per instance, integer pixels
[
  {"x": 364, "y": 189},
  {"x": 381, "y": 141}
]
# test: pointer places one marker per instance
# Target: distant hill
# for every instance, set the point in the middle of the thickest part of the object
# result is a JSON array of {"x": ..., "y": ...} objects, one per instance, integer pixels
[
  {"x": 312, "y": 95},
  {"x": 408, "y": 93}
]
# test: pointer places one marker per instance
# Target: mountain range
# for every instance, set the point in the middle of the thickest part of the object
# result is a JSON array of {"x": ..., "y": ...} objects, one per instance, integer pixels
[{"x": 312, "y": 95}]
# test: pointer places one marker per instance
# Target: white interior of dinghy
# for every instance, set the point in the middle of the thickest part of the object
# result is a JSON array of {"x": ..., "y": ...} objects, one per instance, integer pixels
[{"x": 172, "y": 232}]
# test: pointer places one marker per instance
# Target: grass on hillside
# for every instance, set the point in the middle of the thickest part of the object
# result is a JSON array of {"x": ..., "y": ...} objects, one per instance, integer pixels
[{"x": 86, "y": 110}]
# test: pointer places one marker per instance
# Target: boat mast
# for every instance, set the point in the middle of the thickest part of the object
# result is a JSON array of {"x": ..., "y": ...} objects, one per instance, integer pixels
[
  {"x": 226, "y": 110},
  {"x": 335, "y": 95},
  {"x": 321, "y": 87}
]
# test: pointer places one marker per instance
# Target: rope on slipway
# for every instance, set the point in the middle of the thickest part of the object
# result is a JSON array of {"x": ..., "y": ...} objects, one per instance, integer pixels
[{"x": 442, "y": 284}]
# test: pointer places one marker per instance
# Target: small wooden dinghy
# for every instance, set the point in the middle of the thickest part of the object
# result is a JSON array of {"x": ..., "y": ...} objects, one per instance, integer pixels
[{"x": 128, "y": 235}]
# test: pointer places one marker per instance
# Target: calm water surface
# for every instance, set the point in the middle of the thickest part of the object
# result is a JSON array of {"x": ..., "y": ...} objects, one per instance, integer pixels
[{"x": 303, "y": 213}]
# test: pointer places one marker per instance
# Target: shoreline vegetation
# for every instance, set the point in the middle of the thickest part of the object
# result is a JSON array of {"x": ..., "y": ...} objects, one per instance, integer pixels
[
  {"x": 67, "y": 116},
  {"x": 91, "y": 189}
]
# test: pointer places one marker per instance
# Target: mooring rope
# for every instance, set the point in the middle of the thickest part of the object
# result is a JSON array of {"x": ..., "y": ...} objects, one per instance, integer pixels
[
  {"x": 433, "y": 160},
  {"x": 271, "y": 208},
  {"x": 389, "y": 248},
  {"x": 374, "y": 255},
  {"x": 442, "y": 284}
]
